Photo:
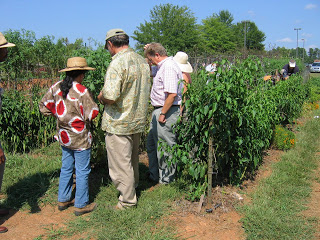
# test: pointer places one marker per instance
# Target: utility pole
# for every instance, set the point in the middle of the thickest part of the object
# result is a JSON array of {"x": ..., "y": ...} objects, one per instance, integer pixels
[
  {"x": 303, "y": 50},
  {"x": 297, "y": 29},
  {"x": 245, "y": 34}
]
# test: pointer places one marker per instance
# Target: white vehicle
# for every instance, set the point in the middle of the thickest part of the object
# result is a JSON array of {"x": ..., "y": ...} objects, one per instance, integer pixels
[{"x": 315, "y": 67}]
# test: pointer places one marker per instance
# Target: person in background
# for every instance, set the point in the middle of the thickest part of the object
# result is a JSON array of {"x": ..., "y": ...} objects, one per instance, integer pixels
[
  {"x": 4, "y": 44},
  {"x": 72, "y": 105},
  {"x": 166, "y": 97},
  {"x": 211, "y": 68},
  {"x": 125, "y": 95},
  {"x": 289, "y": 69},
  {"x": 181, "y": 58}
]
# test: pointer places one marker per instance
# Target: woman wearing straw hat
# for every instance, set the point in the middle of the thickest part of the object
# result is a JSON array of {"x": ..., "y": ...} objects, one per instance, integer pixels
[
  {"x": 72, "y": 105},
  {"x": 4, "y": 44}
]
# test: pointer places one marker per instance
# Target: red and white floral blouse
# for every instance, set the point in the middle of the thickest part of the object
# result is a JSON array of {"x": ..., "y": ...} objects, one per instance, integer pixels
[{"x": 74, "y": 114}]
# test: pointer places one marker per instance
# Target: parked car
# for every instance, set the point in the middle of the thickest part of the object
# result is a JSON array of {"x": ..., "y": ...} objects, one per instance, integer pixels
[{"x": 315, "y": 67}]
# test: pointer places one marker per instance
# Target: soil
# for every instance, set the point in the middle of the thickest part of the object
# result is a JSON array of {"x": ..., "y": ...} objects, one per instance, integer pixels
[{"x": 192, "y": 220}]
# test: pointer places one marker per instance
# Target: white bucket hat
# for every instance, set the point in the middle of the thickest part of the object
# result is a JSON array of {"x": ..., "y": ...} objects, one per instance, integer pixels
[
  {"x": 292, "y": 63},
  {"x": 181, "y": 59},
  {"x": 4, "y": 43}
]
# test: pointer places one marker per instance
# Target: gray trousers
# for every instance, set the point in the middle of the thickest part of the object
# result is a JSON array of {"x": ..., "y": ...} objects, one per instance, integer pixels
[
  {"x": 1, "y": 170},
  {"x": 160, "y": 171}
]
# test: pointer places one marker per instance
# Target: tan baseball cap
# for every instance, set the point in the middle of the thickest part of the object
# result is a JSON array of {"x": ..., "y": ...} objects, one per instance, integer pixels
[
  {"x": 114, "y": 32},
  {"x": 4, "y": 43}
]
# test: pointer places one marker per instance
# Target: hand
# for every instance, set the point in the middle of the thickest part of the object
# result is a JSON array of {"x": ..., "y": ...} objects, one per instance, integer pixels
[
  {"x": 162, "y": 118},
  {"x": 100, "y": 97},
  {"x": 149, "y": 62},
  {"x": 2, "y": 157},
  {"x": 146, "y": 46}
]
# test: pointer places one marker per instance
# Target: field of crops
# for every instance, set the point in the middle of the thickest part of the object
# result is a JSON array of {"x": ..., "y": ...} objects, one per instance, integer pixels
[{"x": 235, "y": 109}]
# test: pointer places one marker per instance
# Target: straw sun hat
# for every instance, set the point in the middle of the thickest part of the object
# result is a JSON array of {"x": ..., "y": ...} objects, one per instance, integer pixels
[
  {"x": 76, "y": 63},
  {"x": 182, "y": 59},
  {"x": 4, "y": 43}
]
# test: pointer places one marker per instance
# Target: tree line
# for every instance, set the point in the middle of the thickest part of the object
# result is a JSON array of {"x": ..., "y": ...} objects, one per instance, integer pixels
[{"x": 172, "y": 25}]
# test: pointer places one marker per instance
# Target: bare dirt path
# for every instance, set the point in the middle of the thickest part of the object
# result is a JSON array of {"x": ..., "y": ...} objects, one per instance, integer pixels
[{"x": 23, "y": 225}]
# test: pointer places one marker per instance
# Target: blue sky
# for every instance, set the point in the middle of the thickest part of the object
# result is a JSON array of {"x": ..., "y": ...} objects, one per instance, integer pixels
[{"x": 92, "y": 19}]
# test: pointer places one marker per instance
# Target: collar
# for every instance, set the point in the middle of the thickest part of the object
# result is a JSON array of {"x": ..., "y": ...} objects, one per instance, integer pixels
[
  {"x": 163, "y": 61},
  {"x": 122, "y": 52}
]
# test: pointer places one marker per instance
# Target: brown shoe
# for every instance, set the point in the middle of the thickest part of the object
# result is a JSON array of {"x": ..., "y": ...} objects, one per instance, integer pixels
[
  {"x": 119, "y": 206},
  {"x": 3, "y": 229},
  {"x": 89, "y": 208},
  {"x": 64, "y": 205}
]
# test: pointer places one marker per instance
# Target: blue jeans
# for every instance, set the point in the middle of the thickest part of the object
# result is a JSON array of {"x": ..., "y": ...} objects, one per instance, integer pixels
[{"x": 81, "y": 161}]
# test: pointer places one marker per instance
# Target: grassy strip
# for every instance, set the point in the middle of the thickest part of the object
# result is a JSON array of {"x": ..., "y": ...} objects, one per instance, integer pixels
[
  {"x": 31, "y": 181},
  {"x": 275, "y": 210}
]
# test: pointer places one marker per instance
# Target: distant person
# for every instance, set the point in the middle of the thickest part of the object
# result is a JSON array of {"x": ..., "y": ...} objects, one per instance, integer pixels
[
  {"x": 3, "y": 56},
  {"x": 211, "y": 68},
  {"x": 125, "y": 95},
  {"x": 166, "y": 97},
  {"x": 181, "y": 58},
  {"x": 289, "y": 69},
  {"x": 72, "y": 105}
]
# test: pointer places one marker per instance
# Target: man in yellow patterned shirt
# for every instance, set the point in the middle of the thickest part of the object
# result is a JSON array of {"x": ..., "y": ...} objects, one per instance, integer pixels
[{"x": 125, "y": 95}]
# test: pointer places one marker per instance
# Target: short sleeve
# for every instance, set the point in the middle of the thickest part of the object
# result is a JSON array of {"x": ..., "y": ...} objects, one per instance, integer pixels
[{"x": 112, "y": 84}]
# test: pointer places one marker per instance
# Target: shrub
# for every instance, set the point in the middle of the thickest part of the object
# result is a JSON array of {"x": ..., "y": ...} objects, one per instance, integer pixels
[{"x": 239, "y": 111}]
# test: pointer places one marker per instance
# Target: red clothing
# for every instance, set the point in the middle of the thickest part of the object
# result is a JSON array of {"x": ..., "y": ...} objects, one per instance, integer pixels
[{"x": 74, "y": 114}]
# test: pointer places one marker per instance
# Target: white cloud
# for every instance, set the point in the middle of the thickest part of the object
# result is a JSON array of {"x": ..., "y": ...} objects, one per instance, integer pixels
[
  {"x": 251, "y": 13},
  {"x": 285, "y": 40},
  {"x": 307, "y": 35},
  {"x": 310, "y": 6}
]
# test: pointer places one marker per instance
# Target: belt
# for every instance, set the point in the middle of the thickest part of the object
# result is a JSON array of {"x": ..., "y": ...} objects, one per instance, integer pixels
[{"x": 157, "y": 107}]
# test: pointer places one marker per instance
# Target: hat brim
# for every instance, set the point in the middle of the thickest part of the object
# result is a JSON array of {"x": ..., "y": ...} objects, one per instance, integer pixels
[
  {"x": 7, "y": 45},
  {"x": 186, "y": 67},
  {"x": 76, "y": 68}
]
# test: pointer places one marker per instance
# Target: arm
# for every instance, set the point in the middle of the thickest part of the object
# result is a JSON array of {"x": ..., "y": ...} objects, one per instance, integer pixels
[
  {"x": 167, "y": 105},
  {"x": 187, "y": 79},
  {"x": 111, "y": 90},
  {"x": 47, "y": 105},
  {"x": 2, "y": 157},
  {"x": 90, "y": 108},
  {"x": 104, "y": 101}
]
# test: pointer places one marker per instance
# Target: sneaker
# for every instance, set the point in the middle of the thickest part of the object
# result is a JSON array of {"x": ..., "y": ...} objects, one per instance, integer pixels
[
  {"x": 64, "y": 205},
  {"x": 89, "y": 208}
]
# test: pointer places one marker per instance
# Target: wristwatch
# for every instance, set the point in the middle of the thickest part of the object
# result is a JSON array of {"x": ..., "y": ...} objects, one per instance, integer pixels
[{"x": 161, "y": 113}]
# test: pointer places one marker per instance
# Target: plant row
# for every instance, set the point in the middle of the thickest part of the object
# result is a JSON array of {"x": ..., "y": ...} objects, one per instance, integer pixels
[{"x": 238, "y": 110}]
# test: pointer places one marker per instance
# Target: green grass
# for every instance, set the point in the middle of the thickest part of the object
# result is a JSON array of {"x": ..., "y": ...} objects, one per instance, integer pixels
[
  {"x": 31, "y": 180},
  {"x": 275, "y": 210}
]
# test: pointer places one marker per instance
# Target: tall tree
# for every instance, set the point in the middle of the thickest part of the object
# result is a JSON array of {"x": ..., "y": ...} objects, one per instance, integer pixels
[
  {"x": 173, "y": 26},
  {"x": 226, "y": 17},
  {"x": 217, "y": 35},
  {"x": 249, "y": 35}
]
